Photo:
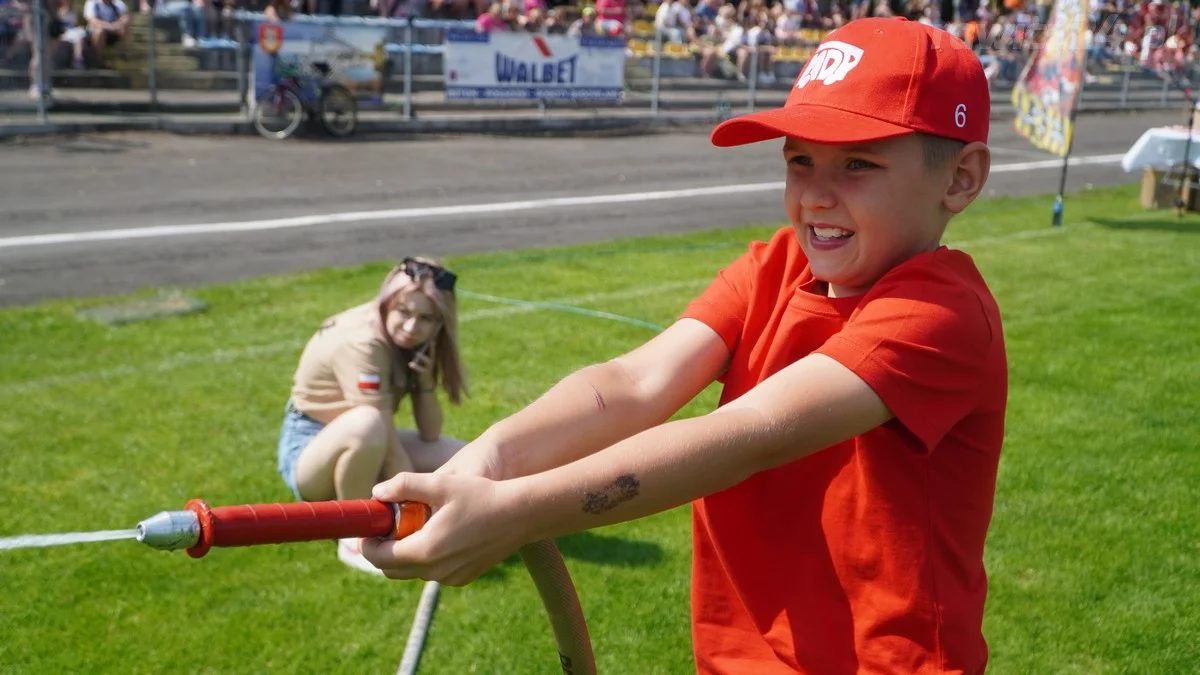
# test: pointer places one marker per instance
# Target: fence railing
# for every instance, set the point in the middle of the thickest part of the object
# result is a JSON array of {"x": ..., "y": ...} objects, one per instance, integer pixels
[{"x": 183, "y": 60}]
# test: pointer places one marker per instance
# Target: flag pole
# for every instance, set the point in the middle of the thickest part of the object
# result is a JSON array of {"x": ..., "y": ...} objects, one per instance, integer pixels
[
  {"x": 1057, "y": 217},
  {"x": 1186, "y": 168}
]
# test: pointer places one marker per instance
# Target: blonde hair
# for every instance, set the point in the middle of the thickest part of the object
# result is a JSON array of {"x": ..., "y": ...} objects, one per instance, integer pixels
[{"x": 448, "y": 370}]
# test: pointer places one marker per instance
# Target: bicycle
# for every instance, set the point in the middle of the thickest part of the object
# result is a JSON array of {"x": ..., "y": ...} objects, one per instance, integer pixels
[{"x": 295, "y": 96}]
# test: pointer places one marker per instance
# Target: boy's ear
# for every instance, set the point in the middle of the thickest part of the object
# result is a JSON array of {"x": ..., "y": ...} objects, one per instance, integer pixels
[{"x": 970, "y": 168}]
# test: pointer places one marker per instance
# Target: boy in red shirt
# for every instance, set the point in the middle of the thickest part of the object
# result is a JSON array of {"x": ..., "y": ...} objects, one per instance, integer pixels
[{"x": 843, "y": 489}]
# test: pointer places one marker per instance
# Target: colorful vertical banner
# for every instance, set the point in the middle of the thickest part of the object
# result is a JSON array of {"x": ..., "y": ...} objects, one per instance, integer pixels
[{"x": 1046, "y": 94}]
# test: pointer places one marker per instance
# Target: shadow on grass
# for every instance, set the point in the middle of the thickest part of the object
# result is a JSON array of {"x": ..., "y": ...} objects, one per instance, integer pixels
[
  {"x": 1167, "y": 222},
  {"x": 589, "y": 547},
  {"x": 597, "y": 548}
]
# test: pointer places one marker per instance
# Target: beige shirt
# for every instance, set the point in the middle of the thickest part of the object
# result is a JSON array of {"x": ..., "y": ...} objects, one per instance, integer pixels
[{"x": 346, "y": 364}]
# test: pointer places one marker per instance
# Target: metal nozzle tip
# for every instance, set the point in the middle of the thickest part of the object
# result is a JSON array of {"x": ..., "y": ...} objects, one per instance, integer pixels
[{"x": 170, "y": 530}]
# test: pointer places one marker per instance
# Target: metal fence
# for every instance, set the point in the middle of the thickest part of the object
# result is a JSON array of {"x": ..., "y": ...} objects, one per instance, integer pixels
[{"x": 183, "y": 61}]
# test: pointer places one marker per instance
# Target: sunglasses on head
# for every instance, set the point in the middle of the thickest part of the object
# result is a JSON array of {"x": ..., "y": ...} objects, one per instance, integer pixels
[{"x": 443, "y": 279}]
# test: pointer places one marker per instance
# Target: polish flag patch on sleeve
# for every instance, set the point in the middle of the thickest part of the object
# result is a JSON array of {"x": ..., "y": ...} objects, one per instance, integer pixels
[{"x": 368, "y": 381}]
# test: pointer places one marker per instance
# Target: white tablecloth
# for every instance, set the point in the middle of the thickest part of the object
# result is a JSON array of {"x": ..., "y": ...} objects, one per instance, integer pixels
[{"x": 1162, "y": 148}]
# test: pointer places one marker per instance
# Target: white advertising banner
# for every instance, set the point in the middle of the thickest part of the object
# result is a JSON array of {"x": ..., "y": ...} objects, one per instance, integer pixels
[{"x": 500, "y": 65}]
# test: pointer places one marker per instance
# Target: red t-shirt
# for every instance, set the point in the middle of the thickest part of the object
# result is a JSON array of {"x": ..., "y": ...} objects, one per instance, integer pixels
[{"x": 865, "y": 557}]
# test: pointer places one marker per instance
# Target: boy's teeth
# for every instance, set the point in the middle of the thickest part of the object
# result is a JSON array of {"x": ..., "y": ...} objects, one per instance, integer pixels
[{"x": 831, "y": 232}]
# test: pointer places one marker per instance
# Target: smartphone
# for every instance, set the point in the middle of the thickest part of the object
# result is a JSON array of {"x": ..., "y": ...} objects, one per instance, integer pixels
[{"x": 419, "y": 353}]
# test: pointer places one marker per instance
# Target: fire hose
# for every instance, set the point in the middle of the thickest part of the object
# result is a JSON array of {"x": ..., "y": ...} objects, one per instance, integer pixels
[{"x": 198, "y": 528}]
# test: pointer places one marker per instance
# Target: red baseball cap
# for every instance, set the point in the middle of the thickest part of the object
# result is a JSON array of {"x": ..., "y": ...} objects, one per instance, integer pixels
[{"x": 877, "y": 78}]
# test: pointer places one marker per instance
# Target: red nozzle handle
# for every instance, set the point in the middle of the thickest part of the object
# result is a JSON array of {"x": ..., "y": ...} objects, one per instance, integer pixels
[{"x": 251, "y": 524}]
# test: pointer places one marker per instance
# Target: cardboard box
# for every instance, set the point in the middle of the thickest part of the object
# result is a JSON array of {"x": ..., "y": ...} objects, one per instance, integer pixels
[{"x": 1160, "y": 189}]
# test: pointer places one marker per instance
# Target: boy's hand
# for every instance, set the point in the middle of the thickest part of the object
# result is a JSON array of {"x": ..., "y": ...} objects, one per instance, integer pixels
[
  {"x": 478, "y": 458},
  {"x": 476, "y": 524}
]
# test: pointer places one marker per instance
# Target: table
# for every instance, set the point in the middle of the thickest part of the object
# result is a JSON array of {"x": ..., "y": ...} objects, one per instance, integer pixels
[{"x": 1162, "y": 148}]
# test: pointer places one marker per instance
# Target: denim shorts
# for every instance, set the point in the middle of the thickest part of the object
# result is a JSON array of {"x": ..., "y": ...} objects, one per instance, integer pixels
[{"x": 298, "y": 431}]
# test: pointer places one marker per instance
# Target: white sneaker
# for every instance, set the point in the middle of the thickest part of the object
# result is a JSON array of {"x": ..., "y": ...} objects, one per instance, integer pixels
[{"x": 349, "y": 553}]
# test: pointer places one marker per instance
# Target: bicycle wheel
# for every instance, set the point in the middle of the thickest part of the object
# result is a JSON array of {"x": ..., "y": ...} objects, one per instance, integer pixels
[
  {"x": 278, "y": 113},
  {"x": 339, "y": 111}
]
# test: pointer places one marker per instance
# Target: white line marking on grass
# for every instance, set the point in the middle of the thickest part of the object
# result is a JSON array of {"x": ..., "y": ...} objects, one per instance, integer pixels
[
  {"x": 526, "y": 306},
  {"x": 457, "y": 209},
  {"x": 226, "y": 355},
  {"x": 559, "y": 307}
]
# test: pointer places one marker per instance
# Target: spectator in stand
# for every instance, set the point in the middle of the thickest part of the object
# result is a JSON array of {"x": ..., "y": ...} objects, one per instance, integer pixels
[
  {"x": 834, "y": 21},
  {"x": 400, "y": 9},
  {"x": 970, "y": 33},
  {"x": 278, "y": 10},
  {"x": 1096, "y": 52},
  {"x": 534, "y": 20},
  {"x": 513, "y": 19},
  {"x": 1043, "y": 11},
  {"x": 736, "y": 49},
  {"x": 788, "y": 23},
  {"x": 491, "y": 20},
  {"x": 674, "y": 19},
  {"x": 1172, "y": 56},
  {"x": 196, "y": 21},
  {"x": 711, "y": 37},
  {"x": 554, "y": 24},
  {"x": 327, "y": 7},
  {"x": 12, "y": 13},
  {"x": 1152, "y": 40},
  {"x": 502, "y": 15},
  {"x": 74, "y": 34},
  {"x": 578, "y": 26},
  {"x": 107, "y": 24},
  {"x": 454, "y": 10},
  {"x": 750, "y": 7},
  {"x": 986, "y": 19},
  {"x": 586, "y": 24},
  {"x": 611, "y": 14},
  {"x": 929, "y": 18},
  {"x": 706, "y": 10},
  {"x": 758, "y": 39},
  {"x": 25, "y": 37},
  {"x": 1194, "y": 36}
]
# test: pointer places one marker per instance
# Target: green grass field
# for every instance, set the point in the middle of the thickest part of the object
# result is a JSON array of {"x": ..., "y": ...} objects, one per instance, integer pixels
[{"x": 1094, "y": 553}]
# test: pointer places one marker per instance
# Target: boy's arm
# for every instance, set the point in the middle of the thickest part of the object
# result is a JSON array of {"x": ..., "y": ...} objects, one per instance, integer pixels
[
  {"x": 599, "y": 405},
  {"x": 810, "y": 405}
]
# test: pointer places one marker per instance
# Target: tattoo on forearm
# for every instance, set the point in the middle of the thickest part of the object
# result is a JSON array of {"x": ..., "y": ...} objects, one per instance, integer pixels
[{"x": 622, "y": 490}]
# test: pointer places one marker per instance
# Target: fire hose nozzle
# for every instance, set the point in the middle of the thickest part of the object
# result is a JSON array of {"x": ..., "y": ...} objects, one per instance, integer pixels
[
  {"x": 170, "y": 530},
  {"x": 198, "y": 527}
]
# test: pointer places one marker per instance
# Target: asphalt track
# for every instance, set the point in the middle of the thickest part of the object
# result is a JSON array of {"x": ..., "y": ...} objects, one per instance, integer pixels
[{"x": 105, "y": 214}]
